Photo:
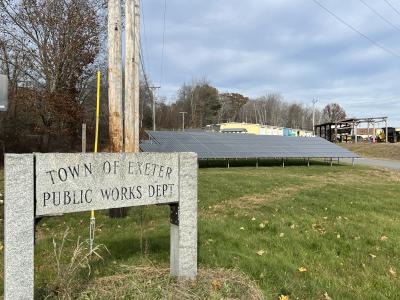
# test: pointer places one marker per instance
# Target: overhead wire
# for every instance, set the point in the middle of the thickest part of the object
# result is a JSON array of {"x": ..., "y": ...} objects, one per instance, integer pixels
[
  {"x": 377, "y": 44},
  {"x": 142, "y": 57},
  {"x": 144, "y": 36},
  {"x": 392, "y": 6},
  {"x": 141, "y": 54},
  {"x": 163, "y": 43},
  {"x": 142, "y": 66},
  {"x": 380, "y": 16}
]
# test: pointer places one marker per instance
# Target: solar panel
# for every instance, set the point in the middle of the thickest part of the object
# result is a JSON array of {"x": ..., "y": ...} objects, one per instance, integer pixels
[{"x": 213, "y": 145}]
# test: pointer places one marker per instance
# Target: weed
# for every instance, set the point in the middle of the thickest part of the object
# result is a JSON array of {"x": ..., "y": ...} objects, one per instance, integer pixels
[{"x": 69, "y": 269}]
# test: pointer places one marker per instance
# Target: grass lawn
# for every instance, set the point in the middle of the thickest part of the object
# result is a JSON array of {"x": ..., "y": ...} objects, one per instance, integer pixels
[
  {"x": 308, "y": 233},
  {"x": 379, "y": 150}
]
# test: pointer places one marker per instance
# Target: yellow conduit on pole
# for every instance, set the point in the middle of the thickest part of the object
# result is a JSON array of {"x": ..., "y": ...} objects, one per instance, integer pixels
[{"x": 96, "y": 142}]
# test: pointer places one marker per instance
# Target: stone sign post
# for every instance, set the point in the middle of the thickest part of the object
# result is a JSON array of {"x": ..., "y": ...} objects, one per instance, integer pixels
[{"x": 38, "y": 185}]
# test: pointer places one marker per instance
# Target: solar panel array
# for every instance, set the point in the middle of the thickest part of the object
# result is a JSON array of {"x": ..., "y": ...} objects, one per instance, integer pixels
[{"x": 212, "y": 145}]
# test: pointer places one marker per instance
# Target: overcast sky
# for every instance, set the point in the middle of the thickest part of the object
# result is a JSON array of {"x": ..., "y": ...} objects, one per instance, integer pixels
[{"x": 292, "y": 47}]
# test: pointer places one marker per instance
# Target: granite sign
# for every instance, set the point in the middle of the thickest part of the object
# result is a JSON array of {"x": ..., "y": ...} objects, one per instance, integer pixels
[
  {"x": 39, "y": 185},
  {"x": 79, "y": 182}
]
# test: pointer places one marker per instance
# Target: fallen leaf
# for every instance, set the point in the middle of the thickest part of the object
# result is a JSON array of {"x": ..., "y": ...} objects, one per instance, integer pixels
[
  {"x": 281, "y": 234},
  {"x": 326, "y": 296},
  {"x": 318, "y": 227},
  {"x": 292, "y": 226},
  {"x": 262, "y": 225},
  {"x": 384, "y": 238},
  {"x": 283, "y": 297},
  {"x": 260, "y": 252},
  {"x": 372, "y": 255},
  {"x": 216, "y": 284},
  {"x": 392, "y": 272},
  {"x": 302, "y": 269},
  {"x": 253, "y": 219}
]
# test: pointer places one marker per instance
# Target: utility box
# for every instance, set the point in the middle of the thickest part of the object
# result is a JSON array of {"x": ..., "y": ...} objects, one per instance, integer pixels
[{"x": 3, "y": 92}]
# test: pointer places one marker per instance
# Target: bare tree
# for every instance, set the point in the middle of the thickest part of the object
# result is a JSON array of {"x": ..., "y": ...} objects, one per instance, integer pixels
[
  {"x": 231, "y": 104},
  {"x": 333, "y": 112},
  {"x": 201, "y": 101},
  {"x": 51, "y": 46}
]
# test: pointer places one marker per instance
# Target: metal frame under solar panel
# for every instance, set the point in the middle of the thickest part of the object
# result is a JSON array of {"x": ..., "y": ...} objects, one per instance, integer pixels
[{"x": 210, "y": 145}]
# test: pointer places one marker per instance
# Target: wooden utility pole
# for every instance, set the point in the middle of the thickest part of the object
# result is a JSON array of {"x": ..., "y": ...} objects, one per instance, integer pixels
[
  {"x": 115, "y": 84},
  {"x": 115, "y": 76},
  {"x": 136, "y": 129},
  {"x": 129, "y": 108},
  {"x": 132, "y": 46},
  {"x": 183, "y": 119},
  {"x": 152, "y": 88}
]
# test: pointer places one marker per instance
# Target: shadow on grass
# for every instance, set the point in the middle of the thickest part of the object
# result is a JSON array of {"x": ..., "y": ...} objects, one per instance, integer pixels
[
  {"x": 126, "y": 248},
  {"x": 278, "y": 162}
]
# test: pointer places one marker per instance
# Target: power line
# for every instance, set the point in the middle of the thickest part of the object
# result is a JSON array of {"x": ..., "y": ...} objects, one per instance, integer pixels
[
  {"x": 379, "y": 15},
  {"x": 145, "y": 42},
  {"x": 141, "y": 59},
  {"x": 143, "y": 69},
  {"x": 149, "y": 88},
  {"x": 392, "y": 6},
  {"x": 356, "y": 30},
  {"x": 163, "y": 42}
]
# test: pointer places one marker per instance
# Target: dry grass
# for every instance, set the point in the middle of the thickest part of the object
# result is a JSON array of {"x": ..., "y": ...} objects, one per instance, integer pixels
[
  {"x": 276, "y": 194},
  {"x": 150, "y": 282},
  {"x": 380, "y": 151},
  {"x": 65, "y": 282},
  {"x": 255, "y": 200}
]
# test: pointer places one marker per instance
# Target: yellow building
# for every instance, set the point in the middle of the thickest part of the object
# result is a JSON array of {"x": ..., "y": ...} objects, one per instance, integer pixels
[
  {"x": 264, "y": 129},
  {"x": 251, "y": 128}
]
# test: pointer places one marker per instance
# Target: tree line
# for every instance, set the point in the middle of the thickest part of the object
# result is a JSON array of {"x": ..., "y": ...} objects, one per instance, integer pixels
[{"x": 205, "y": 105}]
